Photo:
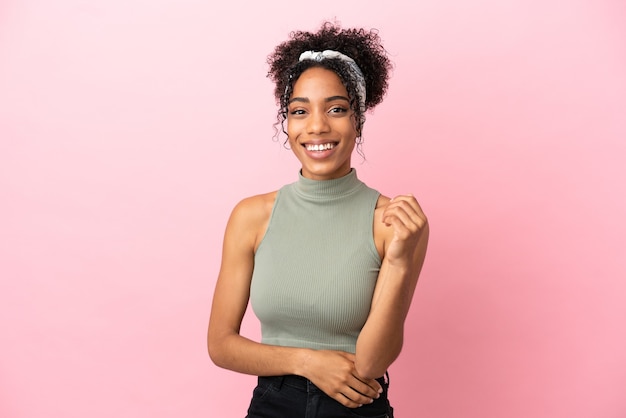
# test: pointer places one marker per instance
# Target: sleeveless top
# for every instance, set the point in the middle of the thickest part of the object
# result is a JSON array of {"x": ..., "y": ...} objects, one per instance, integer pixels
[{"x": 316, "y": 267}]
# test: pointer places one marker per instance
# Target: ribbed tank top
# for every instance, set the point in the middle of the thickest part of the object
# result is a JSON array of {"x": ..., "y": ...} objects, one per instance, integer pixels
[{"x": 317, "y": 265}]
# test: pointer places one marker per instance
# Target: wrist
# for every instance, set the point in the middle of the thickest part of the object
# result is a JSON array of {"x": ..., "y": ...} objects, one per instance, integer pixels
[
  {"x": 303, "y": 360},
  {"x": 397, "y": 266}
]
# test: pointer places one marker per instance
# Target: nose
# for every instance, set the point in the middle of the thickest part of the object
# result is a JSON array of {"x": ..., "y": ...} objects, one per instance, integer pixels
[{"x": 317, "y": 122}]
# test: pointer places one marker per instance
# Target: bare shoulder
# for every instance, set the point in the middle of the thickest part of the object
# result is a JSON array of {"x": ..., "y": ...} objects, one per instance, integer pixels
[
  {"x": 382, "y": 232},
  {"x": 381, "y": 205},
  {"x": 382, "y": 202},
  {"x": 250, "y": 217},
  {"x": 255, "y": 207}
]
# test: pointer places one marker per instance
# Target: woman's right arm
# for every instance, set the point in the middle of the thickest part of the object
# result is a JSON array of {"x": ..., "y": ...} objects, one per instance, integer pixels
[
  {"x": 331, "y": 371},
  {"x": 227, "y": 348}
]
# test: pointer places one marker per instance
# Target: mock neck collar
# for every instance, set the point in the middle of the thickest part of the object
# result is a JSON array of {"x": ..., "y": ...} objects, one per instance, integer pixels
[{"x": 327, "y": 189}]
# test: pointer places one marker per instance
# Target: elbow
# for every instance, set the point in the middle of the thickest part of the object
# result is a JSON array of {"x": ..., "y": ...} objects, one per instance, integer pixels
[
  {"x": 374, "y": 365},
  {"x": 213, "y": 353},
  {"x": 370, "y": 372},
  {"x": 216, "y": 351},
  {"x": 216, "y": 356}
]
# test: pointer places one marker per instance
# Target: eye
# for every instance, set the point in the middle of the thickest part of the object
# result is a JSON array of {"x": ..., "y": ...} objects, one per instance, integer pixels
[
  {"x": 296, "y": 112},
  {"x": 338, "y": 109}
]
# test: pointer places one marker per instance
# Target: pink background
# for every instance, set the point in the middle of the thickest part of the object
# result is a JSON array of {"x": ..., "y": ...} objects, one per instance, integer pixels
[{"x": 129, "y": 129}]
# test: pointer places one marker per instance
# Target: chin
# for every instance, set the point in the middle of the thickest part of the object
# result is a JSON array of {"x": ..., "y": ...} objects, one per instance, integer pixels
[{"x": 325, "y": 172}]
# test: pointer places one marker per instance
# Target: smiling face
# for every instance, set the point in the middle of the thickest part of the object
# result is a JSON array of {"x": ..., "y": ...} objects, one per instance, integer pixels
[{"x": 320, "y": 125}]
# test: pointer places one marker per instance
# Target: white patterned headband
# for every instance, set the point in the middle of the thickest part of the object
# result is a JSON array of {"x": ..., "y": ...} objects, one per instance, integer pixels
[{"x": 354, "y": 69}]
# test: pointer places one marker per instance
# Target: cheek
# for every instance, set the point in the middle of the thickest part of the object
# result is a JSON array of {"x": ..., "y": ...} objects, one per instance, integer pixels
[
  {"x": 291, "y": 133},
  {"x": 290, "y": 127},
  {"x": 295, "y": 128},
  {"x": 349, "y": 127},
  {"x": 349, "y": 130}
]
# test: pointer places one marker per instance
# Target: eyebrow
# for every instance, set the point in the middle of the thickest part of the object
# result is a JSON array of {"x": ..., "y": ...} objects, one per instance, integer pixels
[{"x": 328, "y": 99}]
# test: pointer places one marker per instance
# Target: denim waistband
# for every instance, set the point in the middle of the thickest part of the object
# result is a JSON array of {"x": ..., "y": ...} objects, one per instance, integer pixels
[{"x": 305, "y": 384}]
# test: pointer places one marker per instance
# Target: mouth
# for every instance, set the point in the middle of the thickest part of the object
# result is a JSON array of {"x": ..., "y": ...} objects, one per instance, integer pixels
[{"x": 320, "y": 147}]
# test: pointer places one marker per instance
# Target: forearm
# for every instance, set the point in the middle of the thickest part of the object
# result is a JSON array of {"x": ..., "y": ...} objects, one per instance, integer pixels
[
  {"x": 381, "y": 338},
  {"x": 237, "y": 353}
]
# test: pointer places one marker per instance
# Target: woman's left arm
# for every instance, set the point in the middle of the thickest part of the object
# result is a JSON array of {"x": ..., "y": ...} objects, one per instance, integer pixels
[{"x": 405, "y": 237}]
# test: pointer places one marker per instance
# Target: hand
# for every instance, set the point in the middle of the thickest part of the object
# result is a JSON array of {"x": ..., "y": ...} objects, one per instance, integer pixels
[
  {"x": 407, "y": 219},
  {"x": 334, "y": 373}
]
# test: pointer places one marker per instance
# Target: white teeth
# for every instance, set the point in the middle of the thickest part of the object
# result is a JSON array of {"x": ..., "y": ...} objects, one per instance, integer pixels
[{"x": 320, "y": 147}]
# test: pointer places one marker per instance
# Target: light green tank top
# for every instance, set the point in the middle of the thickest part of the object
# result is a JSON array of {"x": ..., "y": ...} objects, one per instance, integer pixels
[{"x": 317, "y": 265}]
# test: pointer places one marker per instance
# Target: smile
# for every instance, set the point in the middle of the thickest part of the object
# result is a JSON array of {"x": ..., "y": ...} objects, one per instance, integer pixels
[{"x": 320, "y": 147}]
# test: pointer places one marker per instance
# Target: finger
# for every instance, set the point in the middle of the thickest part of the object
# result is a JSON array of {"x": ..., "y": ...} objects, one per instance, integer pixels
[
  {"x": 412, "y": 201},
  {"x": 409, "y": 203},
  {"x": 403, "y": 221},
  {"x": 402, "y": 212},
  {"x": 370, "y": 388},
  {"x": 345, "y": 401},
  {"x": 406, "y": 211},
  {"x": 354, "y": 398},
  {"x": 400, "y": 230}
]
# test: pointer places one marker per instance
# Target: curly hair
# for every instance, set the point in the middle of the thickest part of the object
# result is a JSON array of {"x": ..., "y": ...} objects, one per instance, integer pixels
[{"x": 364, "y": 47}]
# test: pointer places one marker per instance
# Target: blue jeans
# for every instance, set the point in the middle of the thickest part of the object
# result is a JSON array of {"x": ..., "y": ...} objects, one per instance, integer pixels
[{"x": 297, "y": 397}]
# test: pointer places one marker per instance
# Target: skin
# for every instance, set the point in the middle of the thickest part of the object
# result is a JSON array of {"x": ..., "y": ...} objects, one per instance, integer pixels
[{"x": 319, "y": 114}]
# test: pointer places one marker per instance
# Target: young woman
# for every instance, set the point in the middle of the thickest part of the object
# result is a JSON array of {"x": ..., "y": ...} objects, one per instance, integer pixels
[{"x": 328, "y": 264}]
